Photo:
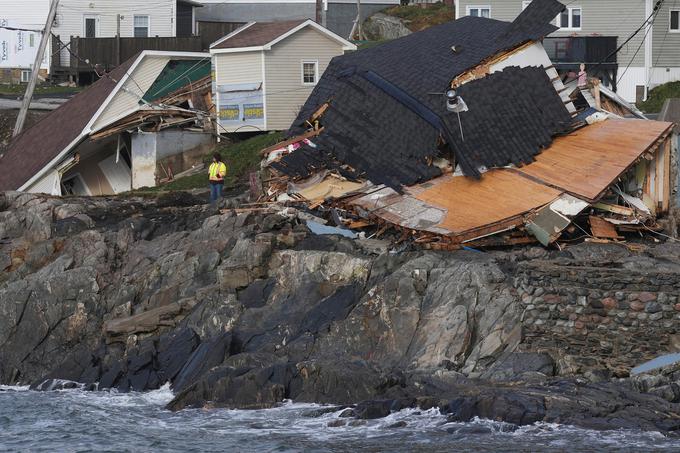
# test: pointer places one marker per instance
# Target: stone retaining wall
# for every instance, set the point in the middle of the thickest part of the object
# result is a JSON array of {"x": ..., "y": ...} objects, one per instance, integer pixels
[{"x": 599, "y": 316}]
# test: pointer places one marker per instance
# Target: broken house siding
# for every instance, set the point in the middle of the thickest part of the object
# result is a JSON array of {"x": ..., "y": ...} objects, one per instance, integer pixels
[
  {"x": 285, "y": 92},
  {"x": 127, "y": 98},
  {"x": 505, "y": 162},
  {"x": 239, "y": 82}
]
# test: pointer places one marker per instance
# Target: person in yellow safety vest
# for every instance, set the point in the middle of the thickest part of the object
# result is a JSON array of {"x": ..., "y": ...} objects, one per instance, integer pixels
[{"x": 216, "y": 174}]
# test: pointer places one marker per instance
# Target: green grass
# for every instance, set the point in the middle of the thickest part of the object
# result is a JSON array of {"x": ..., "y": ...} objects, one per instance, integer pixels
[
  {"x": 419, "y": 18},
  {"x": 19, "y": 90},
  {"x": 361, "y": 45},
  {"x": 658, "y": 96},
  {"x": 241, "y": 158}
]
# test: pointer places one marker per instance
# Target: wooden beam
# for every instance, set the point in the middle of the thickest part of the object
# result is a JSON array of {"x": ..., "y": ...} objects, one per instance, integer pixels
[{"x": 290, "y": 141}]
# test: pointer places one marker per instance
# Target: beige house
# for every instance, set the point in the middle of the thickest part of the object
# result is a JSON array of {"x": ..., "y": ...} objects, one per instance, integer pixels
[{"x": 264, "y": 72}]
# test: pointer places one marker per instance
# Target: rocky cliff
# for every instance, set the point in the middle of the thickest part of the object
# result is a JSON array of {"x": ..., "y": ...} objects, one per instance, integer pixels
[{"x": 246, "y": 310}]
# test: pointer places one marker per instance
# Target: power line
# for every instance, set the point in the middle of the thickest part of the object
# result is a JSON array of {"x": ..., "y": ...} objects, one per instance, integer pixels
[
  {"x": 32, "y": 30},
  {"x": 651, "y": 70},
  {"x": 644, "y": 39}
]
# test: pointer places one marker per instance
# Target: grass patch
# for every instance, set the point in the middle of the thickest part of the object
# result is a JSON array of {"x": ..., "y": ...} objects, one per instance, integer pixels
[
  {"x": 421, "y": 17},
  {"x": 361, "y": 45},
  {"x": 241, "y": 158},
  {"x": 19, "y": 90},
  {"x": 658, "y": 96}
]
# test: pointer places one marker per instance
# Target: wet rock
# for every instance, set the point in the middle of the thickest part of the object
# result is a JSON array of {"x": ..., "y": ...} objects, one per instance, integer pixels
[{"x": 336, "y": 423}]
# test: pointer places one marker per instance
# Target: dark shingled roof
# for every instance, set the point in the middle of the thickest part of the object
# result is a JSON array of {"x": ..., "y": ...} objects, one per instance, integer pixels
[
  {"x": 512, "y": 116},
  {"x": 259, "y": 34},
  {"x": 34, "y": 148}
]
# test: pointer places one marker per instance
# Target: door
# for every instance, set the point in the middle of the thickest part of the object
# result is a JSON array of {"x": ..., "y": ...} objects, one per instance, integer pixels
[
  {"x": 118, "y": 174},
  {"x": 90, "y": 25}
]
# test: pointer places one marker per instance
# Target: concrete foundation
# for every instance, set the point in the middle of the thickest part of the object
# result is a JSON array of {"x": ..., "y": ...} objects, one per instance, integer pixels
[{"x": 174, "y": 149}]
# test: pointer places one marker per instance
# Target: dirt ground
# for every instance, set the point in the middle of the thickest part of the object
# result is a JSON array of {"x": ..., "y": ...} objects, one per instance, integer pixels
[{"x": 7, "y": 120}]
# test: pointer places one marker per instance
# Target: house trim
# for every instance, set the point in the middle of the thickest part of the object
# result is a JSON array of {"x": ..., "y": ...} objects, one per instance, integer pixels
[
  {"x": 82, "y": 181},
  {"x": 148, "y": 27},
  {"x": 670, "y": 17},
  {"x": 468, "y": 8},
  {"x": 302, "y": 72},
  {"x": 233, "y": 33},
  {"x": 569, "y": 9},
  {"x": 96, "y": 24},
  {"x": 346, "y": 45}
]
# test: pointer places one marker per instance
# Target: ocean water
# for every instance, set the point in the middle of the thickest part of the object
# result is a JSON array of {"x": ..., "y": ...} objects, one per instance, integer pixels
[{"x": 78, "y": 421}]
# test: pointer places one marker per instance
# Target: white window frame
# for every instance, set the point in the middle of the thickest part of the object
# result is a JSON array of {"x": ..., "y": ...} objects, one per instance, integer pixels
[
  {"x": 670, "y": 16},
  {"x": 27, "y": 73},
  {"x": 96, "y": 24},
  {"x": 148, "y": 25},
  {"x": 570, "y": 27},
  {"x": 78, "y": 176},
  {"x": 316, "y": 72},
  {"x": 469, "y": 9}
]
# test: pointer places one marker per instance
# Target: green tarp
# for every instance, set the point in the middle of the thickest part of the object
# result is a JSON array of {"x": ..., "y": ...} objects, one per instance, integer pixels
[{"x": 175, "y": 75}]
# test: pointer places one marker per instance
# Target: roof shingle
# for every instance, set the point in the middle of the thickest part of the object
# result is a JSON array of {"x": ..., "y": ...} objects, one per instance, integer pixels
[
  {"x": 34, "y": 148},
  {"x": 258, "y": 34},
  {"x": 513, "y": 114}
]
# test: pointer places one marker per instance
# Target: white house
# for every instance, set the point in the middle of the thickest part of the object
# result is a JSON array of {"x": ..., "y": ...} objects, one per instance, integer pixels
[
  {"x": 265, "y": 71},
  {"x": 89, "y": 19}
]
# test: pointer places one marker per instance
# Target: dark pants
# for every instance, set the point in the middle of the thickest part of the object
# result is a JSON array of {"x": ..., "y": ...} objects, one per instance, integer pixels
[{"x": 215, "y": 191}]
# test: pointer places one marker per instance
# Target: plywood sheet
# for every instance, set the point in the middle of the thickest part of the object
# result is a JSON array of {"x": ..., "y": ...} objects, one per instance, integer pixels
[
  {"x": 497, "y": 196},
  {"x": 587, "y": 161}
]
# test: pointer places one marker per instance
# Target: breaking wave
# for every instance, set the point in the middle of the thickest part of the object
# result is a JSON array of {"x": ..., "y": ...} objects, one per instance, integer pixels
[{"x": 76, "y": 420}]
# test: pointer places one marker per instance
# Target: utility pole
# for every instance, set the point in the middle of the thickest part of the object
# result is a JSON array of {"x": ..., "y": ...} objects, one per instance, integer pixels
[
  {"x": 47, "y": 32},
  {"x": 357, "y": 23}
]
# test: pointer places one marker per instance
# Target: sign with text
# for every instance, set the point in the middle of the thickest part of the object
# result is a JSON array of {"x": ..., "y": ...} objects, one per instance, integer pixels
[
  {"x": 18, "y": 48},
  {"x": 241, "y": 107}
]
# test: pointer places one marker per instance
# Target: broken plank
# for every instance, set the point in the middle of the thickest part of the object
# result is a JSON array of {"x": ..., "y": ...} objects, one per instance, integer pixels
[
  {"x": 600, "y": 228},
  {"x": 616, "y": 209},
  {"x": 290, "y": 141}
]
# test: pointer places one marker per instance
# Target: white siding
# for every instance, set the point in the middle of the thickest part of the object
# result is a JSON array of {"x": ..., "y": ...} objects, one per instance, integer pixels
[
  {"x": 238, "y": 67},
  {"x": 666, "y": 44},
  {"x": 71, "y": 13},
  {"x": 49, "y": 184},
  {"x": 134, "y": 88},
  {"x": 284, "y": 91},
  {"x": 30, "y": 14},
  {"x": 27, "y": 13}
]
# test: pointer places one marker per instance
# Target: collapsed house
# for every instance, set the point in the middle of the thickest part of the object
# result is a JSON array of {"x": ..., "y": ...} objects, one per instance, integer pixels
[
  {"x": 464, "y": 134},
  {"x": 144, "y": 122}
]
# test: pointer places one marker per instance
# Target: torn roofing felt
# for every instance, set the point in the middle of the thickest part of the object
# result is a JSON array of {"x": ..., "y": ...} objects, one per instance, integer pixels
[{"x": 377, "y": 134}]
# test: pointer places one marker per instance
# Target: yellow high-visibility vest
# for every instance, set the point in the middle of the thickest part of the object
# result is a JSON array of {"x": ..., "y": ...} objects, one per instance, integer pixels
[{"x": 217, "y": 171}]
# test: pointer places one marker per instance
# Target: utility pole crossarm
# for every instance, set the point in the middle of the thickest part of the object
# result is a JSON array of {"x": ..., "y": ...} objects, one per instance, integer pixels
[{"x": 47, "y": 32}]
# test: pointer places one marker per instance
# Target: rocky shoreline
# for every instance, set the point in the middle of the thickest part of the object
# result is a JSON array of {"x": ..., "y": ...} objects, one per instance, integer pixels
[{"x": 247, "y": 310}]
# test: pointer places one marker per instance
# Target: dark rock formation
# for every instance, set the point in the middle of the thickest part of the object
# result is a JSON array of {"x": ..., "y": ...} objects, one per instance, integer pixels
[{"x": 248, "y": 310}]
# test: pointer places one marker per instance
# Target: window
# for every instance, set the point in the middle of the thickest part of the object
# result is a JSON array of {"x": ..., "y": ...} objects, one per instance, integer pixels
[
  {"x": 26, "y": 75},
  {"x": 310, "y": 72},
  {"x": 141, "y": 26},
  {"x": 90, "y": 25},
  {"x": 674, "y": 25},
  {"x": 479, "y": 11},
  {"x": 570, "y": 19},
  {"x": 31, "y": 40}
]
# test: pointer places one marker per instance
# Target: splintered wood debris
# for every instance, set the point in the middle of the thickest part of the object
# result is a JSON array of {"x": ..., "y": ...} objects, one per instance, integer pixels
[{"x": 596, "y": 182}]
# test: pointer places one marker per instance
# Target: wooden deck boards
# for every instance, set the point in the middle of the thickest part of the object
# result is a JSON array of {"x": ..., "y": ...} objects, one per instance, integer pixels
[
  {"x": 589, "y": 160},
  {"x": 497, "y": 196}
]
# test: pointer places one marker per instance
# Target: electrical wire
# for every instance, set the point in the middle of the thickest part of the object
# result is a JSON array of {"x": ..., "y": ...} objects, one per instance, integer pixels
[{"x": 644, "y": 39}]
